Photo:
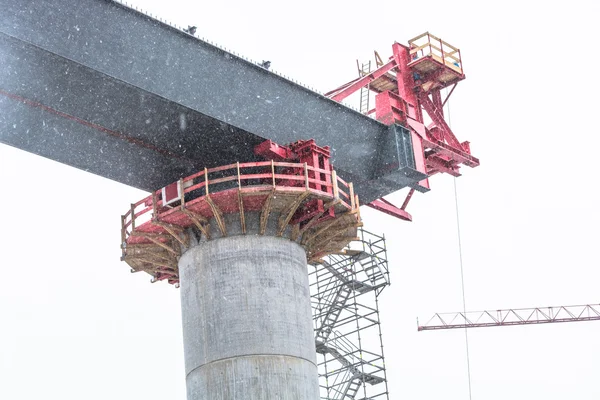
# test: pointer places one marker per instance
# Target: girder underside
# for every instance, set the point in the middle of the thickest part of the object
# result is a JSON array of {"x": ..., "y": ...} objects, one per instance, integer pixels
[
  {"x": 81, "y": 117},
  {"x": 101, "y": 87}
]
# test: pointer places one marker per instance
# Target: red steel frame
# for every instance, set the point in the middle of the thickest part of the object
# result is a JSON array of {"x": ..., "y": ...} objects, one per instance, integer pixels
[
  {"x": 409, "y": 83},
  {"x": 304, "y": 151}
]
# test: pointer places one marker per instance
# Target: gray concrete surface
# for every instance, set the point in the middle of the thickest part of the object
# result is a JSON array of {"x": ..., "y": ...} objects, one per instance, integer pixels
[{"x": 247, "y": 325}]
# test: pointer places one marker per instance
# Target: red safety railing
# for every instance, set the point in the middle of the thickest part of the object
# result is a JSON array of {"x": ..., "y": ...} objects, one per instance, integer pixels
[
  {"x": 253, "y": 176},
  {"x": 427, "y": 44}
]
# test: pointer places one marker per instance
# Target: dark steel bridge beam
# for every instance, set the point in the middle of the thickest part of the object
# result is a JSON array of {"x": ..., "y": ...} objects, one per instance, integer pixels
[{"x": 104, "y": 88}]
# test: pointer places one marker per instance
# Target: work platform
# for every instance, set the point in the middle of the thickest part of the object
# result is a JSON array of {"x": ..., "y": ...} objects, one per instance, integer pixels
[
  {"x": 279, "y": 197},
  {"x": 432, "y": 55}
]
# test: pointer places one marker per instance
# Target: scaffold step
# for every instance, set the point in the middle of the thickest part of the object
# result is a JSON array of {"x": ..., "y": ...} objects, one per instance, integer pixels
[
  {"x": 378, "y": 270},
  {"x": 373, "y": 267},
  {"x": 371, "y": 379},
  {"x": 350, "y": 252},
  {"x": 338, "y": 356},
  {"x": 361, "y": 255},
  {"x": 366, "y": 261},
  {"x": 320, "y": 346},
  {"x": 360, "y": 287},
  {"x": 352, "y": 389},
  {"x": 333, "y": 313}
]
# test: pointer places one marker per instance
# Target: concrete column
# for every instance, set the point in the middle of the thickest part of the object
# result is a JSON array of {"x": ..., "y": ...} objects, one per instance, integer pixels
[{"x": 247, "y": 325}]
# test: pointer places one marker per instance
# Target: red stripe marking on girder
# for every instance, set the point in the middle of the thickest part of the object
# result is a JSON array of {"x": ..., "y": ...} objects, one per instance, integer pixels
[{"x": 93, "y": 125}]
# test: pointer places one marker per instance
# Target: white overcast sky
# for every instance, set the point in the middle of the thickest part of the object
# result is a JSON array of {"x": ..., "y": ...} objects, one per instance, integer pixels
[{"x": 76, "y": 324}]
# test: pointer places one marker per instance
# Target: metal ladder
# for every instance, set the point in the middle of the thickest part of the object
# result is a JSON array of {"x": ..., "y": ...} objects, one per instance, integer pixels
[{"x": 365, "y": 69}]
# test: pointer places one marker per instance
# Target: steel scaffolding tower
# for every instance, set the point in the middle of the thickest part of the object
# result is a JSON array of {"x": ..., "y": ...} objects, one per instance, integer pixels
[{"x": 344, "y": 296}]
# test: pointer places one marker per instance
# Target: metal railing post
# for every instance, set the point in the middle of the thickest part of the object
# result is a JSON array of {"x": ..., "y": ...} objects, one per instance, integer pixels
[
  {"x": 206, "y": 180},
  {"x": 132, "y": 217}
]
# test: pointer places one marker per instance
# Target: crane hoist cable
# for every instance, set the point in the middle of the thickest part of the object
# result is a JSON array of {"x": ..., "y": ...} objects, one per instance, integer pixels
[{"x": 460, "y": 256}]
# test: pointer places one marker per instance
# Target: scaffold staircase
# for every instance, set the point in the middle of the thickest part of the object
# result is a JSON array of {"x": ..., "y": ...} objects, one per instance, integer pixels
[
  {"x": 376, "y": 278},
  {"x": 333, "y": 313},
  {"x": 373, "y": 267},
  {"x": 344, "y": 291},
  {"x": 350, "y": 357}
]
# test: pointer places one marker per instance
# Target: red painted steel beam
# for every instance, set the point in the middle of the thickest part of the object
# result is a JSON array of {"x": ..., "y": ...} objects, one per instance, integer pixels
[
  {"x": 364, "y": 81},
  {"x": 512, "y": 317},
  {"x": 388, "y": 208},
  {"x": 273, "y": 151},
  {"x": 416, "y": 89},
  {"x": 338, "y": 89},
  {"x": 408, "y": 197},
  {"x": 452, "y": 153},
  {"x": 442, "y": 166},
  {"x": 437, "y": 117},
  {"x": 449, "y": 94}
]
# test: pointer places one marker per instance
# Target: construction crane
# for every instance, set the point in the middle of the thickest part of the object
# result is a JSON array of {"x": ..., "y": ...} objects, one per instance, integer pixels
[{"x": 512, "y": 316}]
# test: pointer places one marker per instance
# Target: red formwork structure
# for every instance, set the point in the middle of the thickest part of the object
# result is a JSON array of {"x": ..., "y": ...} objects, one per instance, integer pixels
[
  {"x": 315, "y": 157},
  {"x": 315, "y": 206},
  {"x": 408, "y": 89},
  {"x": 309, "y": 204}
]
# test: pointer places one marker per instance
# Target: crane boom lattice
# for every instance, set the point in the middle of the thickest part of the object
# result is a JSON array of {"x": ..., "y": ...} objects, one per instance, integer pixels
[{"x": 513, "y": 316}]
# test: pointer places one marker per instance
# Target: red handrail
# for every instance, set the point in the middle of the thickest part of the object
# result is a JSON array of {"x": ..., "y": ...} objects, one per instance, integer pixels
[{"x": 322, "y": 182}]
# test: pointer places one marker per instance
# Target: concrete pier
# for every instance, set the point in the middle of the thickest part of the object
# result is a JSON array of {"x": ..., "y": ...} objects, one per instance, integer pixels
[
  {"x": 239, "y": 253},
  {"x": 247, "y": 325}
]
